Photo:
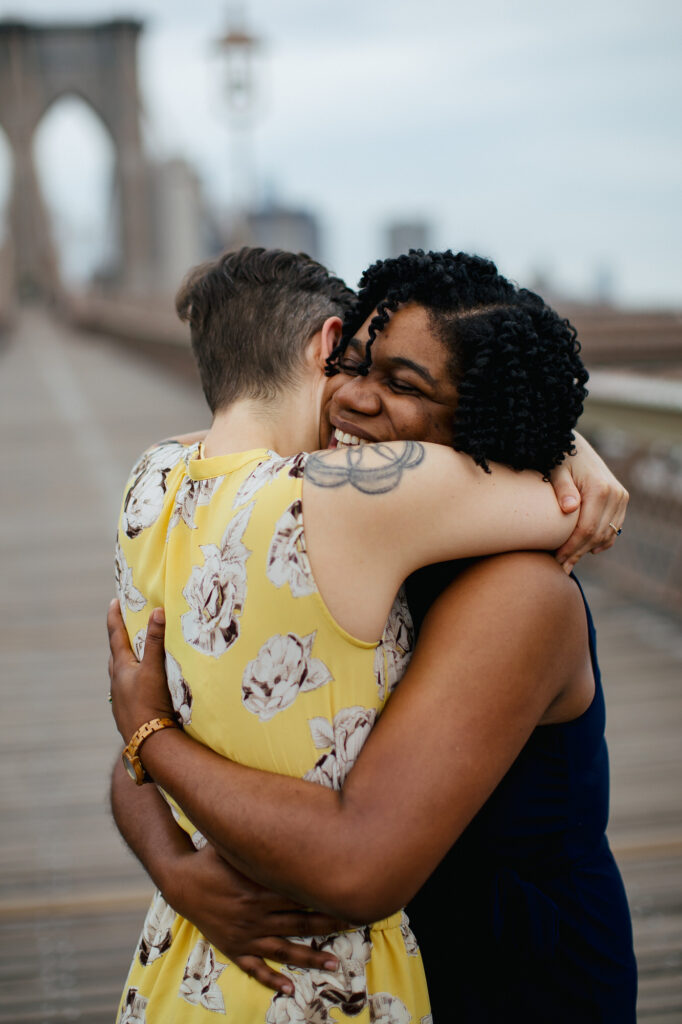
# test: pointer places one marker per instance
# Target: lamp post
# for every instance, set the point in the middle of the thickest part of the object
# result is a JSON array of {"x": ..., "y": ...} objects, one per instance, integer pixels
[{"x": 240, "y": 49}]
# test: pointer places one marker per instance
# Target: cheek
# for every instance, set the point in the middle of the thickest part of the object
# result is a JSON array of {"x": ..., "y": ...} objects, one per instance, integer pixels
[
  {"x": 442, "y": 426},
  {"x": 436, "y": 426},
  {"x": 332, "y": 385}
]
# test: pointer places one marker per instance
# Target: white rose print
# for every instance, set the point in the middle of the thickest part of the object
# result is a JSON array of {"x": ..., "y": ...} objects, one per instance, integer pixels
[
  {"x": 139, "y": 641},
  {"x": 181, "y": 695},
  {"x": 284, "y": 667},
  {"x": 191, "y": 494},
  {"x": 157, "y": 933},
  {"x": 216, "y": 591},
  {"x": 134, "y": 1009},
  {"x": 126, "y": 591},
  {"x": 287, "y": 557},
  {"x": 427, "y": 1019},
  {"x": 387, "y": 1009},
  {"x": 305, "y": 1006},
  {"x": 316, "y": 992},
  {"x": 144, "y": 500},
  {"x": 265, "y": 472},
  {"x": 393, "y": 653},
  {"x": 345, "y": 736},
  {"x": 200, "y": 979},
  {"x": 411, "y": 944}
]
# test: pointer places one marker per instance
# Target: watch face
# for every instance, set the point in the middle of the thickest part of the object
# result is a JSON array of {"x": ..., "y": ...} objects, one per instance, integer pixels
[{"x": 129, "y": 766}]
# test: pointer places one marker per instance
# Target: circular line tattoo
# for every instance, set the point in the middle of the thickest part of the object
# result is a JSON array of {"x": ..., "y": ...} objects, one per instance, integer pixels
[{"x": 371, "y": 469}]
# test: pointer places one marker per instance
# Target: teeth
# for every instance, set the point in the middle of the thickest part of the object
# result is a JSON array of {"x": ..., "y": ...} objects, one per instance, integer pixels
[{"x": 348, "y": 439}]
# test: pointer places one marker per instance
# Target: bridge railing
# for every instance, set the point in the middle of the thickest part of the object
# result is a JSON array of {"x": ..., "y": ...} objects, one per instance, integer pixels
[
  {"x": 636, "y": 424},
  {"x": 634, "y": 420}
]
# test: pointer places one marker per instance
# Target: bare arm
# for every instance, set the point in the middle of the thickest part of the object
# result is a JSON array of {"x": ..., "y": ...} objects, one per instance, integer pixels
[
  {"x": 239, "y": 917},
  {"x": 447, "y": 737},
  {"x": 405, "y": 505}
]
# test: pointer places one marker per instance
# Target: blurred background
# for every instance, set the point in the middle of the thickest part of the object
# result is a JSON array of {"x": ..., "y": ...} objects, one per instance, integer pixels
[{"x": 138, "y": 137}]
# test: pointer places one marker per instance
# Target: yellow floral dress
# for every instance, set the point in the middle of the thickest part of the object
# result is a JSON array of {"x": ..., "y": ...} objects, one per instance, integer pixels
[{"x": 258, "y": 670}]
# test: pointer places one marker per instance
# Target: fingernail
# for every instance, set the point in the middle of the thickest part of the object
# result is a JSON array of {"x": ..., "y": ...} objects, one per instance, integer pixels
[
  {"x": 569, "y": 504},
  {"x": 331, "y": 965},
  {"x": 113, "y": 602},
  {"x": 159, "y": 616},
  {"x": 288, "y": 989}
]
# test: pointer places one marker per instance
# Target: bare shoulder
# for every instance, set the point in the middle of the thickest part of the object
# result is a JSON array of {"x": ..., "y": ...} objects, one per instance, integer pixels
[
  {"x": 526, "y": 608},
  {"x": 527, "y": 576},
  {"x": 525, "y": 600}
]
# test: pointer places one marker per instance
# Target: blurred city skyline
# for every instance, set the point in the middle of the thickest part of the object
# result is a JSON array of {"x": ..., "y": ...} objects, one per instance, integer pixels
[{"x": 548, "y": 139}]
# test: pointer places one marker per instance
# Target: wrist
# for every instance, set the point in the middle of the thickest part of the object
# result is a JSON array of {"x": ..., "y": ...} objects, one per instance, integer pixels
[
  {"x": 154, "y": 754},
  {"x": 132, "y": 762}
]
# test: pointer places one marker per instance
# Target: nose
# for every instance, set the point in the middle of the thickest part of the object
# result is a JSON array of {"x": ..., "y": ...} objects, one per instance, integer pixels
[{"x": 359, "y": 394}]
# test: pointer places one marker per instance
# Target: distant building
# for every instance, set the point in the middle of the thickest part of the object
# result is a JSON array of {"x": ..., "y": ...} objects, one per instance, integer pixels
[
  {"x": 178, "y": 222},
  {"x": 275, "y": 226},
  {"x": 604, "y": 285},
  {"x": 402, "y": 236}
]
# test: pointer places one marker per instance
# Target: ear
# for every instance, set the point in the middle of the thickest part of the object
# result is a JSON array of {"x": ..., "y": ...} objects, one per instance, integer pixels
[{"x": 325, "y": 340}]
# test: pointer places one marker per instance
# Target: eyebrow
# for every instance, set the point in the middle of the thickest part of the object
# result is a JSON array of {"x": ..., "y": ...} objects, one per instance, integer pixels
[{"x": 409, "y": 364}]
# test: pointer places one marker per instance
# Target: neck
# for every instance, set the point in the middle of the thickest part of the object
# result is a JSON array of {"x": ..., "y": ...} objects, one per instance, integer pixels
[{"x": 285, "y": 425}]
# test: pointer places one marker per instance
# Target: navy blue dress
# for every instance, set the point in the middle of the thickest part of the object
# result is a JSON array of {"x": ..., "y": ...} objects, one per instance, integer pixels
[{"x": 526, "y": 918}]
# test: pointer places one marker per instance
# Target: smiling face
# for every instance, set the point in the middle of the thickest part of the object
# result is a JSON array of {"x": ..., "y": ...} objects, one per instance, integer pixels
[{"x": 407, "y": 393}]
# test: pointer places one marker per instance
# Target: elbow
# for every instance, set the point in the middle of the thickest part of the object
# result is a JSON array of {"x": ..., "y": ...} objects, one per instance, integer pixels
[{"x": 364, "y": 896}]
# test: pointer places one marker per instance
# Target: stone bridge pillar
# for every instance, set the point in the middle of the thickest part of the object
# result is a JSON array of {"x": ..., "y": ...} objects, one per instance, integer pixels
[{"x": 39, "y": 63}]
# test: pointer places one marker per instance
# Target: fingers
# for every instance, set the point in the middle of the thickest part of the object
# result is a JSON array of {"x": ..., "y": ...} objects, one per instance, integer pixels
[
  {"x": 118, "y": 636},
  {"x": 601, "y": 507},
  {"x": 282, "y": 951},
  {"x": 257, "y": 968},
  {"x": 305, "y": 923},
  {"x": 567, "y": 494},
  {"x": 154, "y": 654}
]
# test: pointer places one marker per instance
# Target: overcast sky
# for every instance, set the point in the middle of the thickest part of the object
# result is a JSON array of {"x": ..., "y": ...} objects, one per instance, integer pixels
[{"x": 547, "y": 136}]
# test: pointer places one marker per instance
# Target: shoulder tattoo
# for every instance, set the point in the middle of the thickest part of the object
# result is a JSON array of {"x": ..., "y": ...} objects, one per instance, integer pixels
[{"x": 372, "y": 469}]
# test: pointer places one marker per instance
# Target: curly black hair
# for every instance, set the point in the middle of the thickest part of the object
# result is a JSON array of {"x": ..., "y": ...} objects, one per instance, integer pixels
[{"x": 514, "y": 361}]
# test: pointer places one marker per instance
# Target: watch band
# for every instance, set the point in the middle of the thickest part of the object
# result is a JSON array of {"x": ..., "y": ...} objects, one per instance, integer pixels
[{"x": 131, "y": 760}]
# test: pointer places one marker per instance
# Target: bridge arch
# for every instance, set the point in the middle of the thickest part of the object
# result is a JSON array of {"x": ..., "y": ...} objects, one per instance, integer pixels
[
  {"x": 85, "y": 233},
  {"x": 40, "y": 63}
]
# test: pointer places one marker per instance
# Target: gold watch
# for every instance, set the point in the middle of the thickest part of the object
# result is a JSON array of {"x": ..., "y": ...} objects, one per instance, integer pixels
[{"x": 131, "y": 761}]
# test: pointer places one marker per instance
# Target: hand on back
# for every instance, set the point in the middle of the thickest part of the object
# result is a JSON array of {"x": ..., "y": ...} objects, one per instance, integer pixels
[{"x": 246, "y": 922}]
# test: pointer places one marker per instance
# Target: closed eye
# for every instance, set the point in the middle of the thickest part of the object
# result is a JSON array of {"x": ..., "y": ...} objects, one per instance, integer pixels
[
  {"x": 349, "y": 366},
  {"x": 402, "y": 387}
]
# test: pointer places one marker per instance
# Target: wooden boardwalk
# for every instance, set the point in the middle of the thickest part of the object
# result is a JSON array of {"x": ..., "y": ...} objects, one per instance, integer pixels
[{"x": 75, "y": 412}]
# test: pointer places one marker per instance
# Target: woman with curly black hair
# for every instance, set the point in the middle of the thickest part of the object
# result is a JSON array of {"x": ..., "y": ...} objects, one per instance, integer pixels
[
  {"x": 542, "y": 929},
  {"x": 494, "y": 739},
  {"x": 514, "y": 362}
]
